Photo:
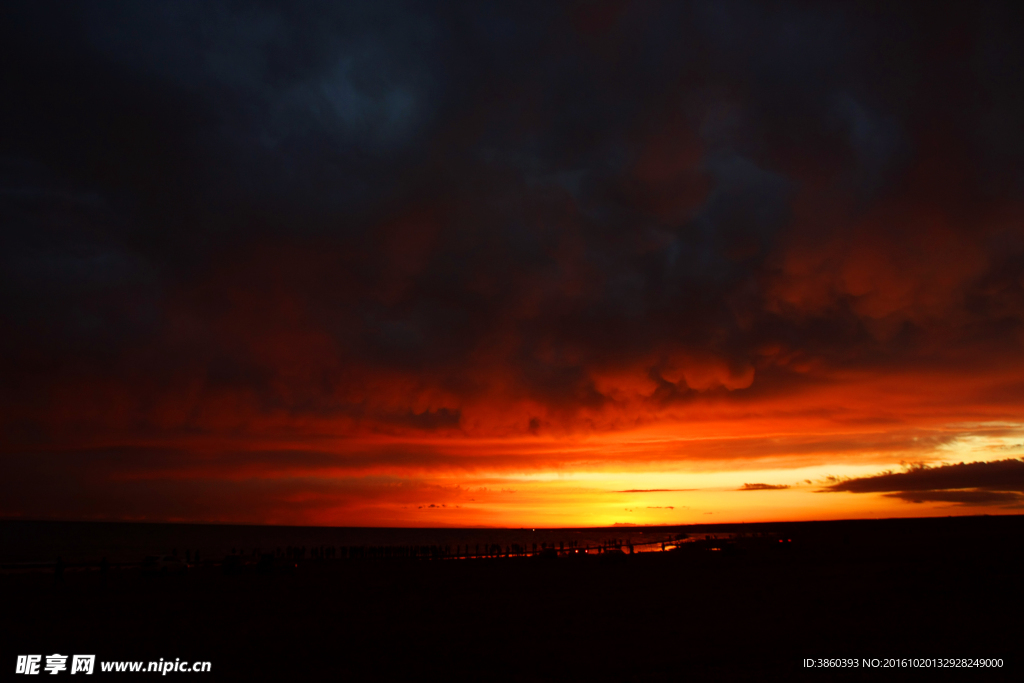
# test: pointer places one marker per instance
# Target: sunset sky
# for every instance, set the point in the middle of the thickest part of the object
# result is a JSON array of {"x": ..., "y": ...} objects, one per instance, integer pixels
[{"x": 510, "y": 264}]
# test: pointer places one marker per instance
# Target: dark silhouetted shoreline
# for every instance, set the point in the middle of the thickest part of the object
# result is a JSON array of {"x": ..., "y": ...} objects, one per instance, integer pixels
[{"x": 733, "y": 602}]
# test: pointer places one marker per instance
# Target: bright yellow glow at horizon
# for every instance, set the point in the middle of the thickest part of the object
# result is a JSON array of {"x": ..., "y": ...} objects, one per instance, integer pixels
[{"x": 685, "y": 496}]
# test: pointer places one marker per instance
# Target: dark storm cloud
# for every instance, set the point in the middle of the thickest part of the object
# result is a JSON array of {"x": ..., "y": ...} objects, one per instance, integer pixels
[
  {"x": 389, "y": 212},
  {"x": 964, "y": 497},
  {"x": 976, "y": 483},
  {"x": 999, "y": 475}
]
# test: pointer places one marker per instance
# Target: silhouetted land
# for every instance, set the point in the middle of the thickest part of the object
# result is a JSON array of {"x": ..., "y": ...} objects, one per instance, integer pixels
[{"x": 746, "y": 607}]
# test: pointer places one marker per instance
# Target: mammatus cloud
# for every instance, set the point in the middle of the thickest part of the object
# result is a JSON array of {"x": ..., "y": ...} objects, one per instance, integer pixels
[{"x": 976, "y": 483}]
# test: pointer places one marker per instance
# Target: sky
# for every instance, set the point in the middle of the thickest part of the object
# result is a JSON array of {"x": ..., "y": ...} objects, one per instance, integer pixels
[{"x": 510, "y": 264}]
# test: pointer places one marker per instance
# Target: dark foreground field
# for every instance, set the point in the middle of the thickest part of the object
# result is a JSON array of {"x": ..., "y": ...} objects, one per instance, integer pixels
[{"x": 945, "y": 588}]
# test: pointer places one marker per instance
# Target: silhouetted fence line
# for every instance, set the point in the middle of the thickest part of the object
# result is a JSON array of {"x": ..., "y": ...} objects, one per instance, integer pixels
[
  {"x": 289, "y": 557},
  {"x": 467, "y": 551}
]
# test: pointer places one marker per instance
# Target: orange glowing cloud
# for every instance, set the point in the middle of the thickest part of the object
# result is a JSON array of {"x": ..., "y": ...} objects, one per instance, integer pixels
[{"x": 554, "y": 285}]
